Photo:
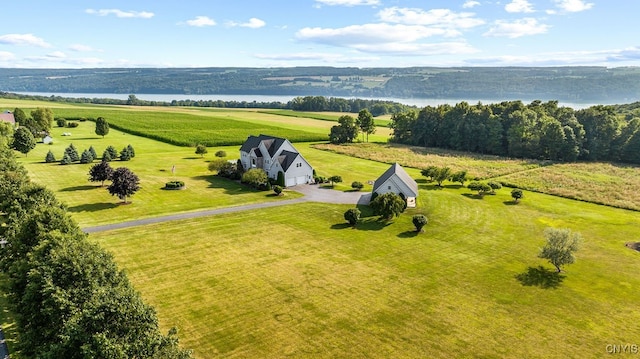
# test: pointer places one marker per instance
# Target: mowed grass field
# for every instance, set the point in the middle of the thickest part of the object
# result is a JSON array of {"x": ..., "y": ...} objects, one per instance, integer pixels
[
  {"x": 615, "y": 185},
  {"x": 90, "y": 204},
  {"x": 296, "y": 281}
]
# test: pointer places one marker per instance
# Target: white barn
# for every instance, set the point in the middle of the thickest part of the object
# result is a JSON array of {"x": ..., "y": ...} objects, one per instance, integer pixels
[
  {"x": 398, "y": 181},
  {"x": 274, "y": 155}
]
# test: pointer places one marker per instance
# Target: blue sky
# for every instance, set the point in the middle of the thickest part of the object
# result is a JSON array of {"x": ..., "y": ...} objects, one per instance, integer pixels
[{"x": 342, "y": 33}]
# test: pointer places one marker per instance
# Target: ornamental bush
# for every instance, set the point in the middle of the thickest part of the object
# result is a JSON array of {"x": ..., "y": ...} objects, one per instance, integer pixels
[{"x": 174, "y": 185}]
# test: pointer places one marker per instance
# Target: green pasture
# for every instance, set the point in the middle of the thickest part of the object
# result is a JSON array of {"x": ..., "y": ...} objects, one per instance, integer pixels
[
  {"x": 90, "y": 204},
  {"x": 297, "y": 281},
  {"x": 482, "y": 166},
  {"x": 616, "y": 185},
  {"x": 188, "y": 126},
  {"x": 380, "y": 121}
]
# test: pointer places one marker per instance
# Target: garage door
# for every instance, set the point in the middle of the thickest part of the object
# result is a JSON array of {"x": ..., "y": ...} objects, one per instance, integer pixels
[
  {"x": 291, "y": 181},
  {"x": 301, "y": 180}
]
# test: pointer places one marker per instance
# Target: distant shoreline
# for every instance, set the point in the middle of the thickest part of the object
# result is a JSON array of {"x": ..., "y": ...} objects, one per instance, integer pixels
[{"x": 418, "y": 102}]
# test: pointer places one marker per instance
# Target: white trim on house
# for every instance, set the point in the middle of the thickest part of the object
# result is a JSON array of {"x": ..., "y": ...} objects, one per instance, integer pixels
[{"x": 274, "y": 155}]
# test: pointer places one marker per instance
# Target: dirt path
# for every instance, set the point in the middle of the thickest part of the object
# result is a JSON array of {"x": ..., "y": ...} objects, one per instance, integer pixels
[{"x": 311, "y": 194}]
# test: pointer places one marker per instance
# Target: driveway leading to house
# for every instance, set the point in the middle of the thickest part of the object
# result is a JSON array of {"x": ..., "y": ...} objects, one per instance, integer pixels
[
  {"x": 316, "y": 193},
  {"x": 312, "y": 193}
]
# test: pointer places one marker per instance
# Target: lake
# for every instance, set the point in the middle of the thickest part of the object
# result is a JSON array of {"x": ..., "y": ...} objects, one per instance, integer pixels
[{"x": 418, "y": 102}]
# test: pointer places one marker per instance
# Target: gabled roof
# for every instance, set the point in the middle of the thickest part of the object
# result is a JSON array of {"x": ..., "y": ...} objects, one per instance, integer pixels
[
  {"x": 397, "y": 170},
  {"x": 7, "y": 116},
  {"x": 286, "y": 158},
  {"x": 271, "y": 143}
]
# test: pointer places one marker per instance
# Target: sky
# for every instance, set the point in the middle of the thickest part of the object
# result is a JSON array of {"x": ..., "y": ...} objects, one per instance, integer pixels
[{"x": 340, "y": 33}]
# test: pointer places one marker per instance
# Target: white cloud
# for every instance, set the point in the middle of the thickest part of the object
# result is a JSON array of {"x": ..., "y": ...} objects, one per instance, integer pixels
[
  {"x": 419, "y": 49},
  {"x": 385, "y": 38},
  {"x": 201, "y": 21},
  {"x": 519, "y": 6},
  {"x": 441, "y": 18},
  {"x": 573, "y": 5},
  {"x": 57, "y": 55},
  {"x": 368, "y": 33},
  {"x": 518, "y": 28},
  {"x": 6, "y": 56},
  {"x": 253, "y": 23},
  {"x": 120, "y": 13},
  {"x": 469, "y": 4},
  {"x": 315, "y": 57},
  {"x": 23, "y": 39},
  {"x": 80, "y": 48},
  {"x": 348, "y": 2}
]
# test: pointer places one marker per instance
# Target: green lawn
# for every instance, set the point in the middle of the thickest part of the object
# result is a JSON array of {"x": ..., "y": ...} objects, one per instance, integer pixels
[
  {"x": 91, "y": 205},
  {"x": 297, "y": 281}
]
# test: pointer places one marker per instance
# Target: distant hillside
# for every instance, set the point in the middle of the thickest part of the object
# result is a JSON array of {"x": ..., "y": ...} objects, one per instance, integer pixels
[{"x": 567, "y": 84}]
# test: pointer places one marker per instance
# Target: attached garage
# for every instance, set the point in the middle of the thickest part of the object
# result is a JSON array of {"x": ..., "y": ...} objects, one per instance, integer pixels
[{"x": 291, "y": 181}]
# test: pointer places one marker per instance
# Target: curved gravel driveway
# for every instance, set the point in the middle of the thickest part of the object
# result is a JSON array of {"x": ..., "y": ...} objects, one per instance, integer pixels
[{"x": 312, "y": 193}]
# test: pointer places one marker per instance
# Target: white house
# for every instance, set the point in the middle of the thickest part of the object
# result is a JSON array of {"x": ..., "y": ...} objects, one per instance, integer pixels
[
  {"x": 398, "y": 181},
  {"x": 275, "y": 155}
]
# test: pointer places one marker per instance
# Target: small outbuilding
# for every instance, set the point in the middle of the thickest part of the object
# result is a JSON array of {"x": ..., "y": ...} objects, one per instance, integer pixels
[
  {"x": 398, "y": 181},
  {"x": 47, "y": 140}
]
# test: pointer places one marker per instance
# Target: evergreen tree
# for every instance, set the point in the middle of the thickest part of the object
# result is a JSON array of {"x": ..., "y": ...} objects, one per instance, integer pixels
[
  {"x": 93, "y": 152},
  {"x": 132, "y": 152},
  {"x": 66, "y": 160},
  {"x": 50, "y": 157},
  {"x": 125, "y": 155},
  {"x": 72, "y": 152},
  {"x": 106, "y": 156},
  {"x": 86, "y": 157}
]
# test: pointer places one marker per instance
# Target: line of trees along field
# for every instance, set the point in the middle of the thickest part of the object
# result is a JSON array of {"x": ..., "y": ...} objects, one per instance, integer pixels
[
  {"x": 539, "y": 130},
  {"x": 68, "y": 297}
]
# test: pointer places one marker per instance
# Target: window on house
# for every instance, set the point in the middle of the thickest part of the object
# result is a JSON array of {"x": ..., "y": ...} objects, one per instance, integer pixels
[{"x": 388, "y": 187}]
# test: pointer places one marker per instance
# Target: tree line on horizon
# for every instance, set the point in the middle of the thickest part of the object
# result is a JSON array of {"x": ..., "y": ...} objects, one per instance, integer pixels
[{"x": 539, "y": 130}]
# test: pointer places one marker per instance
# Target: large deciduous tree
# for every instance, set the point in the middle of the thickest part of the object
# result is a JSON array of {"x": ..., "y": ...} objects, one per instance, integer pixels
[
  {"x": 124, "y": 183},
  {"x": 102, "y": 127},
  {"x": 23, "y": 140},
  {"x": 388, "y": 205},
  {"x": 100, "y": 172},
  {"x": 201, "y": 150},
  {"x": 42, "y": 120},
  {"x": 365, "y": 123},
  {"x": 346, "y": 131},
  {"x": 561, "y": 244}
]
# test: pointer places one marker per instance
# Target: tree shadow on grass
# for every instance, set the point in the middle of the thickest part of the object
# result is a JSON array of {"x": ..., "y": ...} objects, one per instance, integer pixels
[
  {"x": 540, "y": 277},
  {"x": 473, "y": 195},
  {"x": 372, "y": 224},
  {"x": 408, "y": 234},
  {"x": 79, "y": 188},
  {"x": 510, "y": 203},
  {"x": 93, "y": 207},
  {"x": 343, "y": 225},
  {"x": 230, "y": 186},
  {"x": 431, "y": 187}
]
